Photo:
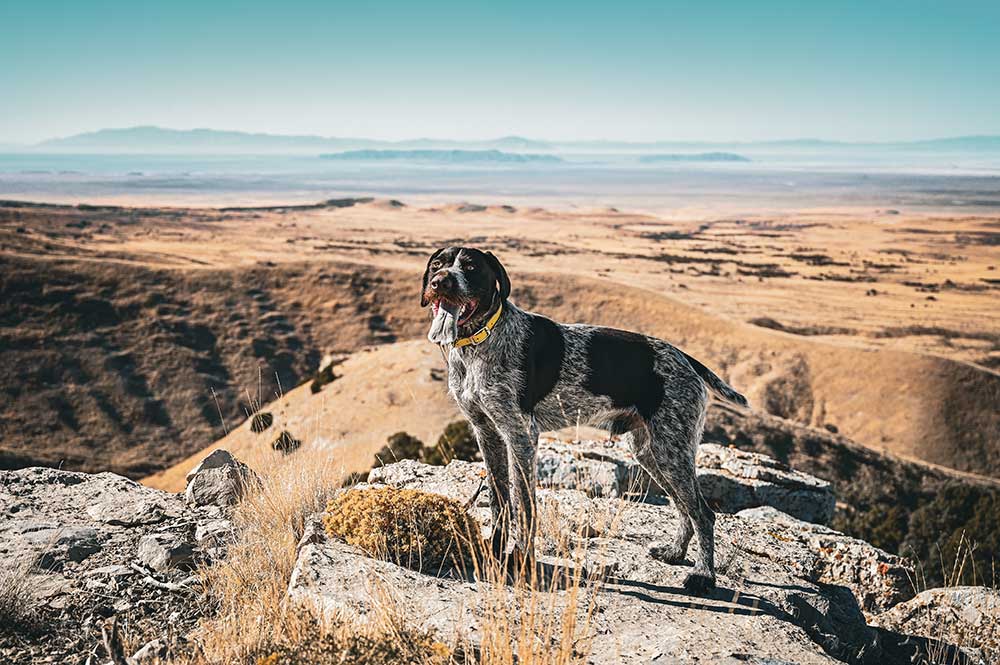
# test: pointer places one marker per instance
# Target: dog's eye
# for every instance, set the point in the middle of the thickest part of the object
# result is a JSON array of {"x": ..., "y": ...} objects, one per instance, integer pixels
[
  {"x": 468, "y": 267},
  {"x": 435, "y": 265}
]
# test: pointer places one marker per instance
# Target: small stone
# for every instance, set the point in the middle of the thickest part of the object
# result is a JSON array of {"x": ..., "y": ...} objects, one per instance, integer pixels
[
  {"x": 61, "y": 544},
  {"x": 151, "y": 652},
  {"x": 164, "y": 551},
  {"x": 113, "y": 570}
]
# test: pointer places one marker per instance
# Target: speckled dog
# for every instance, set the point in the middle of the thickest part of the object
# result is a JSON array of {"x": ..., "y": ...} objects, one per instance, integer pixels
[{"x": 514, "y": 373}]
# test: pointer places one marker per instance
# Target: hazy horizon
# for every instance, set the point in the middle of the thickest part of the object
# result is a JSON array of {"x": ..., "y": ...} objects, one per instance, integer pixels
[
  {"x": 637, "y": 71},
  {"x": 736, "y": 141}
]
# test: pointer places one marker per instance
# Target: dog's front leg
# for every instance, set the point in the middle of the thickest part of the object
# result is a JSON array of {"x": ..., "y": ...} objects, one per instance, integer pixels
[
  {"x": 494, "y": 452},
  {"x": 522, "y": 442}
]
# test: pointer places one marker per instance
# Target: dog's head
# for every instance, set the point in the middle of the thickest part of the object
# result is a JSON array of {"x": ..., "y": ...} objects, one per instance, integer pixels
[{"x": 468, "y": 283}]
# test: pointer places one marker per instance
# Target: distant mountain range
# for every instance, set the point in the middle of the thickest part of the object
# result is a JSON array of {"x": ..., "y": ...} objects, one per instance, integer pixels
[
  {"x": 446, "y": 156},
  {"x": 159, "y": 139},
  {"x": 149, "y": 139}
]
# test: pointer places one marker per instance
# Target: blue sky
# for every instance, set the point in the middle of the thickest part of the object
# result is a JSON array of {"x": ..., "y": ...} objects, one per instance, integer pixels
[{"x": 558, "y": 70}]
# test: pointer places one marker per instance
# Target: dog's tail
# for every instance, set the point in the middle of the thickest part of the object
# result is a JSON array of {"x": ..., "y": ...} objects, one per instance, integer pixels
[{"x": 715, "y": 384}]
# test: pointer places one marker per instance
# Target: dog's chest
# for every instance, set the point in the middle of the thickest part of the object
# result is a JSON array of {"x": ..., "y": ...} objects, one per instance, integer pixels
[{"x": 473, "y": 381}]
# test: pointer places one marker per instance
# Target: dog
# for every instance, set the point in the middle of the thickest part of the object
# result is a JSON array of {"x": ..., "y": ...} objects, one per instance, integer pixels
[{"x": 514, "y": 373}]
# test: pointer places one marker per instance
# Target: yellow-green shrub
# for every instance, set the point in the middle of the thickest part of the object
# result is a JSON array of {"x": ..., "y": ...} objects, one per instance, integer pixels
[{"x": 409, "y": 527}]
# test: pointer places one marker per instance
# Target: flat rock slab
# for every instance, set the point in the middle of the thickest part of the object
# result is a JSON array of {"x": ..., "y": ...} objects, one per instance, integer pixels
[
  {"x": 772, "y": 604},
  {"x": 731, "y": 479}
]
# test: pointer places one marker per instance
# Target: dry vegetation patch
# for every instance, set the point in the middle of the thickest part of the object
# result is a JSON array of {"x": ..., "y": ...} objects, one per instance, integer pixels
[
  {"x": 408, "y": 527},
  {"x": 18, "y": 600}
]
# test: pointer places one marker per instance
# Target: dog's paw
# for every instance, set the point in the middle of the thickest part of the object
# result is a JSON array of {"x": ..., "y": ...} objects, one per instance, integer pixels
[
  {"x": 667, "y": 553},
  {"x": 699, "y": 583}
]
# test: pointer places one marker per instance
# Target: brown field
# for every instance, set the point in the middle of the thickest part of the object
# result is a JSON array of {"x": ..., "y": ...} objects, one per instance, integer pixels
[{"x": 119, "y": 323}]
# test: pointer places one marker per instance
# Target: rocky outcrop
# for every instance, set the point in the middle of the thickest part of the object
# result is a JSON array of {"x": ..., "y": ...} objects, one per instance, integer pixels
[
  {"x": 103, "y": 546},
  {"x": 731, "y": 479},
  {"x": 777, "y": 589},
  {"x": 97, "y": 546},
  {"x": 965, "y": 616}
]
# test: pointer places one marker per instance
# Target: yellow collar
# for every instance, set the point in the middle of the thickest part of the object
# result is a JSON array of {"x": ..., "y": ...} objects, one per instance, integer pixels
[{"x": 483, "y": 333}]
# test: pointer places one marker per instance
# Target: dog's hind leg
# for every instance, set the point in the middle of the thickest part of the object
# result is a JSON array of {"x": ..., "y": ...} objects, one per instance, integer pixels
[
  {"x": 674, "y": 552},
  {"x": 674, "y": 439}
]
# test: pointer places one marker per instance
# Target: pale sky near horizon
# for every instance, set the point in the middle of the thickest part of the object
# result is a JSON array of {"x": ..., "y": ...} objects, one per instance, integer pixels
[{"x": 557, "y": 70}]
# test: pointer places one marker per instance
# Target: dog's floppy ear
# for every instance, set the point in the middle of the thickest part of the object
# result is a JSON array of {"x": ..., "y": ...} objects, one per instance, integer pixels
[
  {"x": 501, "y": 274},
  {"x": 427, "y": 275}
]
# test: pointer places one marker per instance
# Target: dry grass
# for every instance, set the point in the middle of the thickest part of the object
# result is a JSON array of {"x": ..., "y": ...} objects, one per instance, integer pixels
[
  {"x": 18, "y": 600},
  {"x": 545, "y": 618},
  {"x": 246, "y": 592},
  {"x": 542, "y": 618}
]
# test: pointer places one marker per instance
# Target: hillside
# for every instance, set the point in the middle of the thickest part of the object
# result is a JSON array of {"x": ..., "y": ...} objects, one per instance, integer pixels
[{"x": 120, "y": 323}]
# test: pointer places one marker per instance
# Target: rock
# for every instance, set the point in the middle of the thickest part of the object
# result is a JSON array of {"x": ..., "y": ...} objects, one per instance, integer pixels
[
  {"x": 163, "y": 551},
  {"x": 84, "y": 531},
  {"x": 771, "y": 591},
  {"x": 219, "y": 479},
  {"x": 878, "y": 579},
  {"x": 966, "y": 616},
  {"x": 597, "y": 468},
  {"x": 731, "y": 480},
  {"x": 112, "y": 510},
  {"x": 213, "y": 533},
  {"x": 213, "y": 536},
  {"x": 151, "y": 652},
  {"x": 58, "y": 544}
]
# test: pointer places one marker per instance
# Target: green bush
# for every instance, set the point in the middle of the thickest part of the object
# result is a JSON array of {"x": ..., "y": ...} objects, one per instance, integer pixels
[
  {"x": 456, "y": 442},
  {"x": 941, "y": 530},
  {"x": 261, "y": 421},
  {"x": 399, "y": 446},
  {"x": 286, "y": 443},
  {"x": 321, "y": 378}
]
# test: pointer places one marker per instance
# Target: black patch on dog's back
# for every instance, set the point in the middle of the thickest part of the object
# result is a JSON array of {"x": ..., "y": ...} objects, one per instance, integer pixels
[
  {"x": 620, "y": 366},
  {"x": 541, "y": 363}
]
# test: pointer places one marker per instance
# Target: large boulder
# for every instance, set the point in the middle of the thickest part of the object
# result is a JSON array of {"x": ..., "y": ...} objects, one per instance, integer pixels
[
  {"x": 731, "y": 479},
  {"x": 966, "y": 616},
  {"x": 773, "y": 592},
  {"x": 219, "y": 480}
]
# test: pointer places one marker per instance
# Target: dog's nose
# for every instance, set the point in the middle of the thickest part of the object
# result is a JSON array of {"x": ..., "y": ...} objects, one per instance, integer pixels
[{"x": 440, "y": 281}]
